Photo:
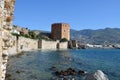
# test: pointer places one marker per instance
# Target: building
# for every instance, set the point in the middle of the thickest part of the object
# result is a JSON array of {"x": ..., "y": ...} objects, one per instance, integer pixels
[
  {"x": 19, "y": 30},
  {"x": 60, "y": 31}
]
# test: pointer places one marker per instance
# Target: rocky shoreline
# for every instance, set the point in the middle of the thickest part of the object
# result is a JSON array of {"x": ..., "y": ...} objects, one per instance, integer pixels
[{"x": 71, "y": 73}]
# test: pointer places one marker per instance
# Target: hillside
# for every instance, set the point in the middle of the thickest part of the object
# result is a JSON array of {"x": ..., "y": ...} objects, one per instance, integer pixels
[
  {"x": 100, "y": 36},
  {"x": 42, "y": 34}
]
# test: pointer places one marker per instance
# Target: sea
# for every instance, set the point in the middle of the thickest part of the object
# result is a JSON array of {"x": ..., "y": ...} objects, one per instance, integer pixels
[{"x": 36, "y": 65}]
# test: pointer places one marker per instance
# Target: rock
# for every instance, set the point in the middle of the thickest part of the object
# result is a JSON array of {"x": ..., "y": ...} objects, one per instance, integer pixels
[
  {"x": 67, "y": 72},
  {"x": 53, "y": 68},
  {"x": 5, "y": 53},
  {"x": 8, "y": 75},
  {"x": 18, "y": 72},
  {"x": 98, "y": 75},
  {"x": 71, "y": 71},
  {"x": 81, "y": 72},
  {"x": 5, "y": 57},
  {"x": 3, "y": 66}
]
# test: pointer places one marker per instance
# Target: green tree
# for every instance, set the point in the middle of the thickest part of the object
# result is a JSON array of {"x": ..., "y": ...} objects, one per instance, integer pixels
[
  {"x": 32, "y": 35},
  {"x": 15, "y": 34},
  {"x": 63, "y": 40}
]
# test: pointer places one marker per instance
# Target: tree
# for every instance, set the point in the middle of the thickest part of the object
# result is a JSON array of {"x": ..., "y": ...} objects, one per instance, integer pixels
[
  {"x": 63, "y": 40},
  {"x": 32, "y": 35}
]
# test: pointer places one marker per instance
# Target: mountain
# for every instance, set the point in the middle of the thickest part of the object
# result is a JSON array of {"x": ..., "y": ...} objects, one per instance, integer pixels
[
  {"x": 41, "y": 32},
  {"x": 99, "y": 36}
]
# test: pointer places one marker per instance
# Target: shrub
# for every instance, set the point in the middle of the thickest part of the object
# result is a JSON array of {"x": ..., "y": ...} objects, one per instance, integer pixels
[
  {"x": 26, "y": 35},
  {"x": 15, "y": 34},
  {"x": 63, "y": 40},
  {"x": 32, "y": 35}
]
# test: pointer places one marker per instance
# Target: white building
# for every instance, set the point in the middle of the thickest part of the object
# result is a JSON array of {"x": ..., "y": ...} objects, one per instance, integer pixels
[{"x": 15, "y": 31}]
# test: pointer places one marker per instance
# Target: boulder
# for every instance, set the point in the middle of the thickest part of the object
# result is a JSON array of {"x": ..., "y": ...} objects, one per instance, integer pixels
[
  {"x": 81, "y": 72},
  {"x": 53, "y": 68},
  {"x": 98, "y": 75}
]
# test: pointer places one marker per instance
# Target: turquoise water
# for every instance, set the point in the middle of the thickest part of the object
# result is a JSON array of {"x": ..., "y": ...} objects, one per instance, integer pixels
[{"x": 36, "y": 65}]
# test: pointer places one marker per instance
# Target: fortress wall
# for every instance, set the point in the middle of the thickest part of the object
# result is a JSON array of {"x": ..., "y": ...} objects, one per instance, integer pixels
[
  {"x": 22, "y": 44},
  {"x": 63, "y": 45},
  {"x": 52, "y": 45},
  {"x": 27, "y": 44},
  {"x": 48, "y": 44}
]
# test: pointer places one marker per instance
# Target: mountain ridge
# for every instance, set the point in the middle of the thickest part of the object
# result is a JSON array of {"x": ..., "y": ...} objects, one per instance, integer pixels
[{"x": 98, "y": 36}]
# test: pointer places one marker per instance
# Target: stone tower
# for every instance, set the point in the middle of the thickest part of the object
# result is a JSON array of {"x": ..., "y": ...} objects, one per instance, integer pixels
[
  {"x": 60, "y": 31},
  {"x": 6, "y": 19}
]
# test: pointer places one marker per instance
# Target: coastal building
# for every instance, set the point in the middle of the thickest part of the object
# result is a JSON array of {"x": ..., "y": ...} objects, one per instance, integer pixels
[
  {"x": 19, "y": 30},
  {"x": 60, "y": 31}
]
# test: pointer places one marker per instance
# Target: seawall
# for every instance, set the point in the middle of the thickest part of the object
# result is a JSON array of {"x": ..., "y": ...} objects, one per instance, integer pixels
[
  {"x": 48, "y": 45},
  {"x": 22, "y": 44}
]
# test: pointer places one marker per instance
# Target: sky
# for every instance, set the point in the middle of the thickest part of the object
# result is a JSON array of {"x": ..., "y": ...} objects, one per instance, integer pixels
[{"x": 80, "y": 14}]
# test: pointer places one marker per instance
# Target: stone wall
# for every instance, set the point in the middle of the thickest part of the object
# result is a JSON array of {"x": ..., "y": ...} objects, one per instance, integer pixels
[
  {"x": 6, "y": 19},
  {"x": 0, "y": 58},
  {"x": 73, "y": 44},
  {"x": 63, "y": 45},
  {"x": 26, "y": 44},
  {"x": 52, "y": 45},
  {"x": 22, "y": 44},
  {"x": 47, "y": 44}
]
